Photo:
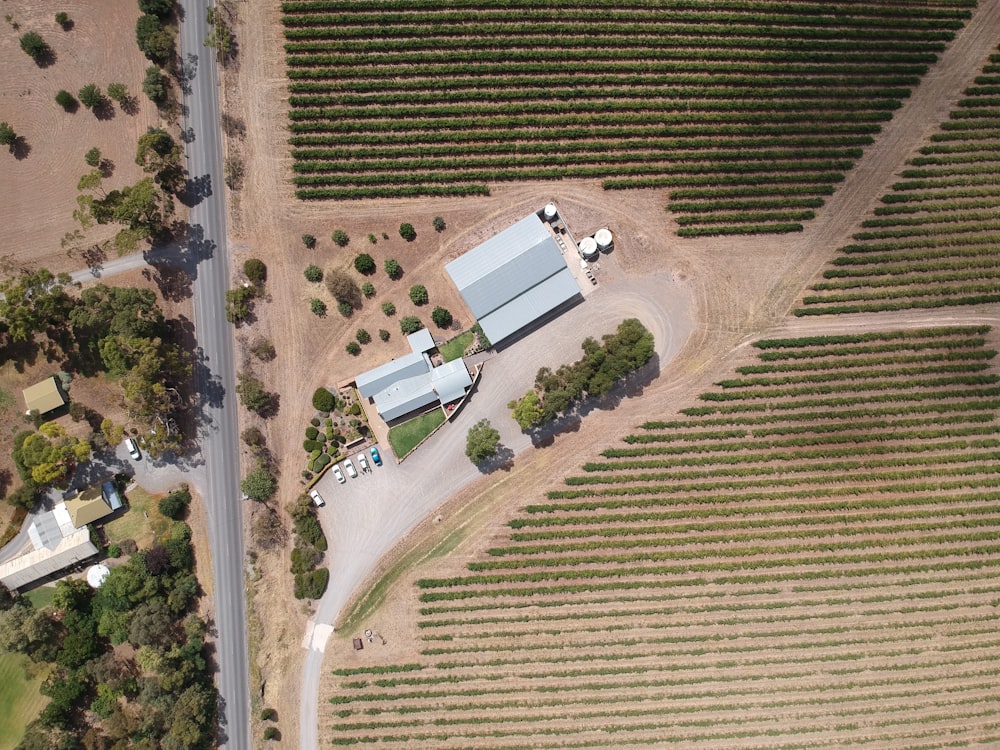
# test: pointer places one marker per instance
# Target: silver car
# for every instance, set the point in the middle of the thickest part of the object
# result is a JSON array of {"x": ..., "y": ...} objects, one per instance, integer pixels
[
  {"x": 317, "y": 498},
  {"x": 351, "y": 471},
  {"x": 338, "y": 473}
]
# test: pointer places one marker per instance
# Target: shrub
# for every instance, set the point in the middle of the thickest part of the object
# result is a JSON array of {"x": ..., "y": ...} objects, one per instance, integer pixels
[
  {"x": 388, "y": 309},
  {"x": 175, "y": 504},
  {"x": 272, "y": 733},
  {"x": 90, "y": 95},
  {"x": 439, "y": 225},
  {"x": 311, "y": 433},
  {"x": 118, "y": 92},
  {"x": 353, "y": 348},
  {"x": 7, "y": 134},
  {"x": 383, "y": 334},
  {"x": 263, "y": 350},
  {"x": 340, "y": 238},
  {"x": 252, "y": 393},
  {"x": 66, "y": 100},
  {"x": 343, "y": 288},
  {"x": 62, "y": 18},
  {"x": 253, "y": 437},
  {"x": 255, "y": 270},
  {"x": 363, "y": 336},
  {"x": 418, "y": 294},
  {"x": 345, "y": 309},
  {"x": 259, "y": 485},
  {"x": 323, "y": 400},
  {"x": 410, "y": 324},
  {"x": 372, "y": 239},
  {"x": 268, "y": 714},
  {"x": 93, "y": 157},
  {"x": 33, "y": 44},
  {"x": 311, "y": 585},
  {"x": 239, "y": 303},
  {"x": 322, "y": 460},
  {"x": 441, "y": 317},
  {"x": 407, "y": 232},
  {"x": 368, "y": 289},
  {"x": 309, "y": 241},
  {"x": 154, "y": 85},
  {"x": 317, "y": 307},
  {"x": 392, "y": 268},
  {"x": 311, "y": 446},
  {"x": 364, "y": 264},
  {"x": 114, "y": 550}
]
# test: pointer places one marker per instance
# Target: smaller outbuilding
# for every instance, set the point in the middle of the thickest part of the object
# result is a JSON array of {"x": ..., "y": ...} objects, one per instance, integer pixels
[
  {"x": 41, "y": 398},
  {"x": 93, "y": 504}
]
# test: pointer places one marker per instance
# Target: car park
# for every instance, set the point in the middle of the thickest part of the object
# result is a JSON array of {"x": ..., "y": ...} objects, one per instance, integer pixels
[
  {"x": 349, "y": 468},
  {"x": 338, "y": 473},
  {"x": 375, "y": 456},
  {"x": 317, "y": 498},
  {"x": 363, "y": 462},
  {"x": 132, "y": 448}
]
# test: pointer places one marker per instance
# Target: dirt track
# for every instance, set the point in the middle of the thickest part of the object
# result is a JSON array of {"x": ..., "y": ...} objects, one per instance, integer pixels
[{"x": 741, "y": 288}]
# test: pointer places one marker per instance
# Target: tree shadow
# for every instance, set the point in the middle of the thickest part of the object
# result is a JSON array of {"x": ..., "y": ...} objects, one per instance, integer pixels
[
  {"x": 5, "y": 481},
  {"x": 271, "y": 408},
  {"x": 130, "y": 105},
  {"x": 503, "y": 459},
  {"x": 68, "y": 24},
  {"x": 107, "y": 168},
  {"x": 104, "y": 109},
  {"x": 46, "y": 58},
  {"x": 20, "y": 148},
  {"x": 195, "y": 190}
]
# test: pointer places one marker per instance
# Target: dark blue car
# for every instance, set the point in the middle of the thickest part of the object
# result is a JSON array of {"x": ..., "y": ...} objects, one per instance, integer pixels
[{"x": 376, "y": 457}]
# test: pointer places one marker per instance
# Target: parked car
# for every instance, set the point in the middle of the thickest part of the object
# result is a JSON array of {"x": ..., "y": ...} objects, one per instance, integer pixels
[
  {"x": 375, "y": 456},
  {"x": 132, "y": 448},
  {"x": 338, "y": 473},
  {"x": 317, "y": 498},
  {"x": 363, "y": 462},
  {"x": 351, "y": 471}
]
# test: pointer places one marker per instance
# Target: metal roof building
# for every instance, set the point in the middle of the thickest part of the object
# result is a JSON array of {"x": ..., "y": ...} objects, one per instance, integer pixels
[
  {"x": 43, "y": 562},
  {"x": 44, "y": 397},
  {"x": 514, "y": 278},
  {"x": 93, "y": 504}
]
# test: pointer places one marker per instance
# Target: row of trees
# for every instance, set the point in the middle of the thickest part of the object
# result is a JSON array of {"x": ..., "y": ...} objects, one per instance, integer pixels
[{"x": 621, "y": 353}]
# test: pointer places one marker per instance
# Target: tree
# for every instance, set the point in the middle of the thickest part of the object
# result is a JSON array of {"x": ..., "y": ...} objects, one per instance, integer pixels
[
  {"x": 160, "y": 155},
  {"x": 36, "y": 48},
  {"x": 263, "y": 350},
  {"x": 481, "y": 441},
  {"x": 368, "y": 289},
  {"x": 51, "y": 453},
  {"x": 407, "y": 232},
  {"x": 392, "y": 269},
  {"x": 154, "y": 85},
  {"x": 176, "y": 503},
  {"x": 353, "y": 348},
  {"x": 309, "y": 241},
  {"x": 313, "y": 273},
  {"x": 439, "y": 225},
  {"x": 252, "y": 393},
  {"x": 62, "y": 18},
  {"x": 118, "y": 92},
  {"x": 93, "y": 157},
  {"x": 239, "y": 303},
  {"x": 318, "y": 307},
  {"x": 90, "y": 96},
  {"x": 7, "y": 134},
  {"x": 323, "y": 400},
  {"x": 363, "y": 336},
  {"x": 253, "y": 437},
  {"x": 388, "y": 309},
  {"x": 527, "y": 410},
  {"x": 340, "y": 238},
  {"x": 259, "y": 485},
  {"x": 410, "y": 324},
  {"x": 255, "y": 270},
  {"x": 66, "y": 100},
  {"x": 343, "y": 288},
  {"x": 154, "y": 39},
  {"x": 418, "y": 294},
  {"x": 364, "y": 264},
  {"x": 383, "y": 334},
  {"x": 441, "y": 317},
  {"x": 345, "y": 309}
]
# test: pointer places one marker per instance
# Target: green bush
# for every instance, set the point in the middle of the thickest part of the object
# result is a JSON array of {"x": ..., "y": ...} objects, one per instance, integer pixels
[
  {"x": 114, "y": 550},
  {"x": 62, "y": 18},
  {"x": 309, "y": 241},
  {"x": 92, "y": 157},
  {"x": 372, "y": 239},
  {"x": 441, "y": 317},
  {"x": 272, "y": 733},
  {"x": 317, "y": 307},
  {"x": 313, "y": 273},
  {"x": 363, "y": 336},
  {"x": 66, "y": 100},
  {"x": 383, "y": 334},
  {"x": 353, "y": 348},
  {"x": 364, "y": 264},
  {"x": 388, "y": 309},
  {"x": 175, "y": 504},
  {"x": 410, "y": 324},
  {"x": 368, "y": 289},
  {"x": 345, "y": 308},
  {"x": 255, "y": 270},
  {"x": 392, "y": 268},
  {"x": 407, "y": 232},
  {"x": 311, "y": 445},
  {"x": 33, "y": 44},
  {"x": 340, "y": 238},
  {"x": 311, "y": 433},
  {"x": 418, "y": 294},
  {"x": 118, "y": 92},
  {"x": 90, "y": 95},
  {"x": 311, "y": 585},
  {"x": 322, "y": 460},
  {"x": 323, "y": 400},
  {"x": 439, "y": 225}
]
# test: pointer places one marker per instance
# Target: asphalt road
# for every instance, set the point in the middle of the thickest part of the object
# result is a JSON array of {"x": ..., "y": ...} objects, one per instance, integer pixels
[{"x": 214, "y": 373}]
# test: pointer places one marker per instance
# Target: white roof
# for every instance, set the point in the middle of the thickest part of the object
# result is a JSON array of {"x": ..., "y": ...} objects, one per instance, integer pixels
[
  {"x": 371, "y": 382},
  {"x": 40, "y": 563},
  {"x": 451, "y": 380},
  {"x": 421, "y": 341},
  {"x": 404, "y": 396},
  {"x": 543, "y": 298}
]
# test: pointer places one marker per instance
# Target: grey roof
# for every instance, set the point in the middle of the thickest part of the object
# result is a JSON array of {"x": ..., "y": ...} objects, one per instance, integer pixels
[
  {"x": 404, "y": 396},
  {"x": 371, "y": 382},
  {"x": 39, "y": 563},
  {"x": 421, "y": 341},
  {"x": 513, "y": 278},
  {"x": 450, "y": 380},
  {"x": 530, "y": 306},
  {"x": 44, "y": 531},
  {"x": 110, "y": 493}
]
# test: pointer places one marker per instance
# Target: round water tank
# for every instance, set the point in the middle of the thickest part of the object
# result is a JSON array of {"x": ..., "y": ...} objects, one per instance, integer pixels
[
  {"x": 604, "y": 240},
  {"x": 588, "y": 248},
  {"x": 96, "y": 575},
  {"x": 550, "y": 212}
]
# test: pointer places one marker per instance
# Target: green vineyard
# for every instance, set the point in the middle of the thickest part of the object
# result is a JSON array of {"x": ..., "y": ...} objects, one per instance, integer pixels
[
  {"x": 933, "y": 241},
  {"x": 808, "y": 557},
  {"x": 748, "y": 111}
]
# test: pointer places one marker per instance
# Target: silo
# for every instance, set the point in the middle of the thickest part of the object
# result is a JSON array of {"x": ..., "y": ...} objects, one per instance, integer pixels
[
  {"x": 588, "y": 248},
  {"x": 605, "y": 242},
  {"x": 549, "y": 213}
]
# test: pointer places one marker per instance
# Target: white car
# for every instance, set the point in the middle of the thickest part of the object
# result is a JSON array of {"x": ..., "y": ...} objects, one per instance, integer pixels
[
  {"x": 317, "y": 498},
  {"x": 338, "y": 473},
  {"x": 351, "y": 471},
  {"x": 363, "y": 462},
  {"x": 132, "y": 448}
]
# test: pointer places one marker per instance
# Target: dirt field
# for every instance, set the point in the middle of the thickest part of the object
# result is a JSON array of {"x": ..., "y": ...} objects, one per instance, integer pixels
[
  {"x": 100, "y": 48},
  {"x": 742, "y": 286}
]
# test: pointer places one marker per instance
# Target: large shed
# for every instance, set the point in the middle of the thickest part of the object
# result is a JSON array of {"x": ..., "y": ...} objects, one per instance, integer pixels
[
  {"x": 44, "y": 397},
  {"x": 514, "y": 279}
]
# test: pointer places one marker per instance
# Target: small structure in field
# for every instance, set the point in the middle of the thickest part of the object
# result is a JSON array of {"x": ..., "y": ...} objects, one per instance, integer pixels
[{"x": 43, "y": 397}]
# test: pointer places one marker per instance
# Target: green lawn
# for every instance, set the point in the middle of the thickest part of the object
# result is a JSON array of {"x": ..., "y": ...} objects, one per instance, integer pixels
[
  {"x": 456, "y": 347},
  {"x": 20, "y": 701},
  {"x": 135, "y": 524},
  {"x": 405, "y": 437},
  {"x": 41, "y": 596}
]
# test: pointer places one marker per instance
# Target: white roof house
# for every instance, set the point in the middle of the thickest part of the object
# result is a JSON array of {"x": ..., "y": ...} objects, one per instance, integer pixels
[
  {"x": 45, "y": 560},
  {"x": 411, "y": 381},
  {"x": 514, "y": 278}
]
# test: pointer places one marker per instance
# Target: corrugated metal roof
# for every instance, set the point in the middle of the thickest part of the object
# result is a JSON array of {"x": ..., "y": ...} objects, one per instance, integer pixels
[
  {"x": 486, "y": 258},
  {"x": 87, "y": 507},
  {"x": 421, "y": 341},
  {"x": 450, "y": 380},
  {"x": 409, "y": 365},
  {"x": 43, "y": 397},
  {"x": 529, "y": 306},
  {"x": 37, "y": 564},
  {"x": 404, "y": 396},
  {"x": 44, "y": 531}
]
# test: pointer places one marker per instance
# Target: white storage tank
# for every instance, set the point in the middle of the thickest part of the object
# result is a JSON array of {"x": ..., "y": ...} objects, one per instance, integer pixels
[
  {"x": 605, "y": 242},
  {"x": 549, "y": 213},
  {"x": 588, "y": 248}
]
